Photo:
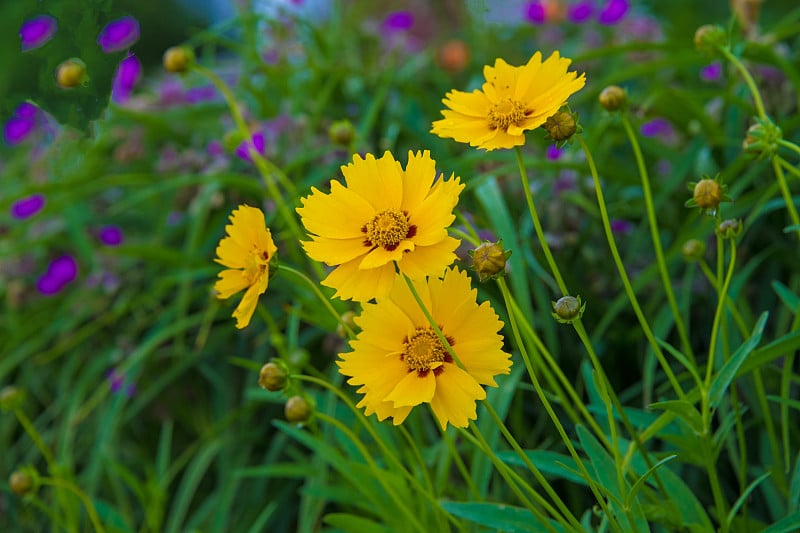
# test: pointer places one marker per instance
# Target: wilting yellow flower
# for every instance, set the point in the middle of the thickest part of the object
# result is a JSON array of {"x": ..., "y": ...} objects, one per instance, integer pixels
[
  {"x": 384, "y": 215},
  {"x": 513, "y": 100},
  {"x": 400, "y": 362},
  {"x": 247, "y": 252}
]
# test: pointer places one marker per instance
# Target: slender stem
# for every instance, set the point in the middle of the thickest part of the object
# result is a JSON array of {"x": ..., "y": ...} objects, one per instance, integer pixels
[
  {"x": 718, "y": 315},
  {"x": 462, "y": 468},
  {"x": 748, "y": 79},
  {"x": 537, "y": 225},
  {"x": 786, "y": 165},
  {"x": 790, "y": 145},
  {"x": 36, "y": 438},
  {"x": 623, "y": 274},
  {"x": 87, "y": 503},
  {"x": 737, "y": 316},
  {"x": 398, "y": 501},
  {"x": 787, "y": 195},
  {"x": 656, "y": 238},
  {"x": 325, "y": 301},
  {"x": 713, "y": 477}
]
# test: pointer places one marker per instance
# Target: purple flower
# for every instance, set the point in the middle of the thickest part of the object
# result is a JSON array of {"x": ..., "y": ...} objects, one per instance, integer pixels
[
  {"x": 397, "y": 21},
  {"x": 21, "y": 124},
  {"x": 202, "y": 93},
  {"x": 257, "y": 144},
  {"x": 712, "y": 72},
  {"x": 553, "y": 152},
  {"x": 613, "y": 11},
  {"x": 27, "y": 207},
  {"x": 621, "y": 226},
  {"x": 215, "y": 149},
  {"x": 580, "y": 12},
  {"x": 37, "y": 31},
  {"x": 119, "y": 34},
  {"x": 116, "y": 383},
  {"x": 128, "y": 73},
  {"x": 536, "y": 13},
  {"x": 61, "y": 271},
  {"x": 111, "y": 235},
  {"x": 658, "y": 127}
]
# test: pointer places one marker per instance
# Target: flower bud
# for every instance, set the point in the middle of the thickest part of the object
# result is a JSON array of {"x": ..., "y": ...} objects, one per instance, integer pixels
[
  {"x": 273, "y": 376},
  {"x": 71, "y": 73},
  {"x": 342, "y": 133},
  {"x": 489, "y": 259},
  {"x": 730, "y": 228},
  {"x": 298, "y": 358},
  {"x": 568, "y": 309},
  {"x": 693, "y": 250},
  {"x": 348, "y": 319},
  {"x": 20, "y": 482},
  {"x": 561, "y": 126},
  {"x": 297, "y": 410},
  {"x": 178, "y": 59},
  {"x": 708, "y": 38},
  {"x": 707, "y": 194},
  {"x": 11, "y": 398},
  {"x": 613, "y": 98},
  {"x": 453, "y": 55},
  {"x": 763, "y": 138}
]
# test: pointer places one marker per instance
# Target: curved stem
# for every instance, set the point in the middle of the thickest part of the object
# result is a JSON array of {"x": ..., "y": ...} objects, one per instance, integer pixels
[
  {"x": 87, "y": 503},
  {"x": 787, "y": 195},
  {"x": 748, "y": 79},
  {"x": 656, "y": 238},
  {"x": 325, "y": 301},
  {"x": 790, "y": 145},
  {"x": 537, "y": 225},
  {"x": 30, "y": 429},
  {"x": 624, "y": 275}
]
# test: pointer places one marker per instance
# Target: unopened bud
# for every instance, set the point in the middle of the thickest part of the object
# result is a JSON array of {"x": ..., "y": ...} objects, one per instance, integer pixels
[
  {"x": 730, "y": 228},
  {"x": 707, "y": 194},
  {"x": 297, "y": 409},
  {"x": 347, "y": 319},
  {"x": 342, "y": 132},
  {"x": 613, "y": 98},
  {"x": 11, "y": 398},
  {"x": 561, "y": 126},
  {"x": 489, "y": 259},
  {"x": 568, "y": 309},
  {"x": 178, "y": 59},
  {"x": 708, "y": 38},
  {"x": 693, "y": 250},
  {"x": 71, "y": 73},
  {"x": 763, "y": 138},
  {"x": 20, "y": 482},
  {"x": 273, "y": 376}
]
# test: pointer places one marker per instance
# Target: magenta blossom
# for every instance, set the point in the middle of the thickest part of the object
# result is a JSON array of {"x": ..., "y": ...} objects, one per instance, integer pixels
[
  {"x": 553, "y": 152},
  {"x": 60, "y": 272},
  {"x": 712, "y": 72},
  {"x": 111, "y": 235},
  {"x": 21, "y": 124},
  {"x": 613, "y": 11},
  {"x": 256, "y": 143},
  {"x": 128, "y": 73},
  {"x": 116, "y": 383},
  {"x": 535, "y": 13},
  {"x": 27, "y": 207},
  {"x": 580, "y": 12},
  {"x": 36, "y": 32},
  {"x": 621, "y": 226},
  {"x": 119, "y": 34},
  {"x": 658, "y": 127},
  {"x": 398, "y": 21}
]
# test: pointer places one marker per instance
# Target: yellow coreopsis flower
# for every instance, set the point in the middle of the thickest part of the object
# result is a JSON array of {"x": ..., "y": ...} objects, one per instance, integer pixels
[
  {"x": 383, "y": 216},
  {"x": 247, "y": 252},
  {"x": 400, "y": 362},
  {"x": 512, "y": 101}
]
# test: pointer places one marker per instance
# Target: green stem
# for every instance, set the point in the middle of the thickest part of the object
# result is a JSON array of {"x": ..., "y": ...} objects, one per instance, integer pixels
[
  {"x": 36, "y": 438},
  {"x": 786, "y": 165},
  {"x": 718, "y": 317},
  {"x": 713, "y": 477},
  {"x": 87, "y": 503},
  {"x": 537, "y": 225},
  {"x": 462, "y": 468},
  {"x": 787, "y": 195},
  {"x": 656, "y": 238},
  {"x": 325, "y": 301},
  {"x": 624, "y": 275},
  {"x": 748, "y": 79},
  {"x": 790, "y": 145}
]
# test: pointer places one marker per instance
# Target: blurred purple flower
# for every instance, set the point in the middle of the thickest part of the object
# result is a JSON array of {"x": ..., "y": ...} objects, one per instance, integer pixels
[
  {"x": 536, "y": 13},
  {"x": 712, "y": 72},
  {"x": 128, "y": 73},
  {"x": 61, "y": 271},
  {"x": 398, "y": 21},
  {"x": 256, "y": 143},
  {"x": 202, "y": 93},
  {"x": 620, "y": 226},
  {"x": 580, "y": 12},
  {"x": 37, "y": 31},
  {"x": 613, "y": 11},
  {"x": 119, "y": 34},
  {"x": 27, "y": 207},
  {"x": 658, "y": 127},
  {"x": 21, "y": 124},
  {"x": 553, "y": 152},
  {"x": 116, "y": 383},
  {"x": 215, "y": 149},
  {"x": 111, "y": 235}
]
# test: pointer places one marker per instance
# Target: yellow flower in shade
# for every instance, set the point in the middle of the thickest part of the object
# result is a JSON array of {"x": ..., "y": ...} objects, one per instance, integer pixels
[
  {"x": 513, "y": 100},
  {"x": 247, "y": 252},
  {"x": 382, "y": 216},
  {"x": 400, "y": 362}
]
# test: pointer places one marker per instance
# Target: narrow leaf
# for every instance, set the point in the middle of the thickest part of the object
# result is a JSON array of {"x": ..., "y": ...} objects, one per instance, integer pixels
[{"x": 728, "y": 371}]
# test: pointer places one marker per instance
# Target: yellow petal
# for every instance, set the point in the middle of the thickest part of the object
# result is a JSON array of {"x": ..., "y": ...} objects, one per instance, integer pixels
[
  {"x": 413, "y": 390},
  {"x": 360, "y": 285},
  {"x": 338, "y": 215},
  {"x": 456, "y": 393},
  {"x": 334, "y": 251},
  {"x": 379, "y": 181},
  {"x": 244, "y": 312},
  {"x": 229, "y": 283},
  {"x": 419, "y": 175}
]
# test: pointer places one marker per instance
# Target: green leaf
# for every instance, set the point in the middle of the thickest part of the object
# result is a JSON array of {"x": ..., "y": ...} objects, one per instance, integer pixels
[
  {"x": 793, "y": 227},
  {"x": 500, "y": 517},
  {"x": 348, "y": 522},
  {"x": 602, "y": 464},
  {"x": 728, "y": 371},
  {"x": 794, "y": 489},
  {"x": 790, "y": 524},
  {"x": 552, "y": 463},
  {"x": 766, "y": 354},
  {"x": 790, "y": 299},
  {"x": 741, "y": 499},
  {"x": 685, "y": 411},
  {"x": 640, "y": 482}
]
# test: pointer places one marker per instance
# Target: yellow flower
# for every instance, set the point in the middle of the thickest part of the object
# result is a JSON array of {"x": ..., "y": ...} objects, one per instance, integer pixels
[
  {"x": 383, "y": 216},
  {"x": 247, "y": 252},
  {"x": 513, "y": 100},
  {"x": 400, "y": 362}
]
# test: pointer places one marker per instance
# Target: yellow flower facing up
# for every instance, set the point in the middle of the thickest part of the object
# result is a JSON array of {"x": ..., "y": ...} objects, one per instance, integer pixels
[
  {"x": 246, "y": 251},
  {"x": 512, "y": 101},
  {"x": 383, "y": 216},
  {"x": 400, "y": 362}
]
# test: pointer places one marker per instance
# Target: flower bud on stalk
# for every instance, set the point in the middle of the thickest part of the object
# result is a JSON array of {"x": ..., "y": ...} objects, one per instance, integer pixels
[
  {"x": 489, "y": 259},
  {"x": 568, "y": 309},
  {"x": 613, "y": 98},
  {"x": 297, "y": 410},
  {"x": 178, "y": 59},
  {"x": 273, "y": 376},
  {"x": 71, "y": 73}
]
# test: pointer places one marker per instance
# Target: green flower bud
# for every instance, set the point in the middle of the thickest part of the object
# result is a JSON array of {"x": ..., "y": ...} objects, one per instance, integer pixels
[
  {"x": 178, "y": 59},
  {"x": 693, "y": 250},
  {"x": 568, "y": 309},
  {"x": 613, "y": 98},
  {"x": 763, "y": 138},
  {"x": 297, "y": 410},
  {"x": 348, "y": 318},
  {"x": 730, "y": 228},
  {"x": 71, "y": 73},
  {"x": 342, "y": 133},
  {"x": 21, "y": 482},
  {"x": 709, "y": 37},
  {"x": 561, "y": 126},
  {"x": 273, "y": 376},
  {"x": 11, "y": 398},
  {"x": 707, "y": 194},
  {"x": 489, "y": 259}
]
